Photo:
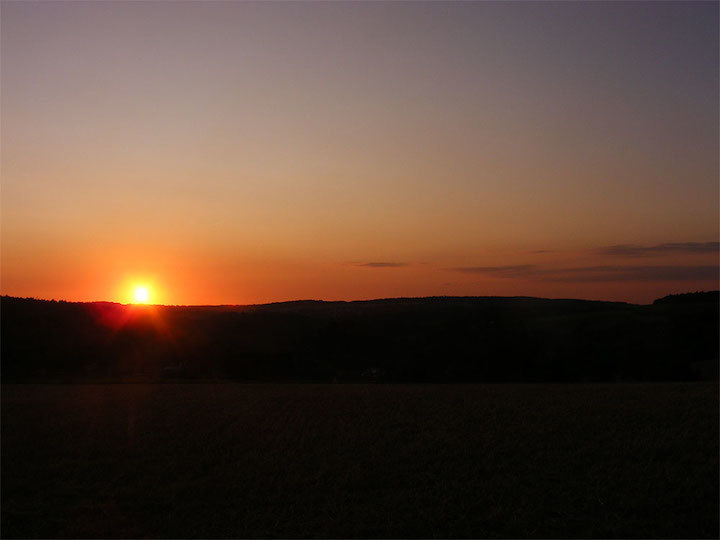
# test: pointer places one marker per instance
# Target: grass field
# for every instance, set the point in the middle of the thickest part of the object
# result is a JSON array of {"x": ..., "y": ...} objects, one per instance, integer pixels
[{"x": 240, "y": 460}]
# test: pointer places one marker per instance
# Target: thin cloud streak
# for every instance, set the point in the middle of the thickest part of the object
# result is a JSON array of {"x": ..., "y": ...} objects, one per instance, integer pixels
[
  {"x": 500, "y": 271},
  {"x": 381, "y": 265},
  {"x": 630, "y": 250},
  {"x": 589, "y": 274},
  {"x": 635, "y": 273}
]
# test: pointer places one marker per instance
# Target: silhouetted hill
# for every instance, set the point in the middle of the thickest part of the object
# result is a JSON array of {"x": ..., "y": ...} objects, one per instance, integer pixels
[
  {"x": 690, "y": 298},
  {"x": 403, "y": 339}
]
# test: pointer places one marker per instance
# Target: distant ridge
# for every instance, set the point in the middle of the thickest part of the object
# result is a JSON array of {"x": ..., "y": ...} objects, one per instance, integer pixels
[
  {"x": 316, "y": 302},
  {"x": 400, "y": 301},
  {"x": 690, "y": 298},
  {"x": 431, "y": 339}
]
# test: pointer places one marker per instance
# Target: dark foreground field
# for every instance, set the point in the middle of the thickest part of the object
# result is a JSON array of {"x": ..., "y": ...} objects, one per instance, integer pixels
[{"x": 239, "y": 460}]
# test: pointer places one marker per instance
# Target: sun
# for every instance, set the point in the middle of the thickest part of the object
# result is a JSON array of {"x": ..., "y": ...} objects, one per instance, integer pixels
[
  {"x": 139, "y": 290},
  {"x": 141, "y": 295}
]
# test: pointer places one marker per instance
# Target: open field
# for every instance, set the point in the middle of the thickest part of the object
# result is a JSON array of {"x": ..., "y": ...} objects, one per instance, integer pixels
[{"x": 243, "y": 460}]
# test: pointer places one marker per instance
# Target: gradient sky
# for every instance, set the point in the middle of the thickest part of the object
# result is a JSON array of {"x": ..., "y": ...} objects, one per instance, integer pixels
[{"x": 239, "y": 152}]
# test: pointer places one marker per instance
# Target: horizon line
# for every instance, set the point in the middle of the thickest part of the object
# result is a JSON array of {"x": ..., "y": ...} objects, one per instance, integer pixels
[{"x": 299, "y": 300}]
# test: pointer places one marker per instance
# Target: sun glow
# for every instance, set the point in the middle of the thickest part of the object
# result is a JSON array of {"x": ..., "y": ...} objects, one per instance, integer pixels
[
  {"x": 140, "y": 289},
  {"x": 141, "y": 295}
]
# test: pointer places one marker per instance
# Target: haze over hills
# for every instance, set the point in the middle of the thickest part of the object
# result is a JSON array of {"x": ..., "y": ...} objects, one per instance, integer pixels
[{"x": 437, "y": 339}]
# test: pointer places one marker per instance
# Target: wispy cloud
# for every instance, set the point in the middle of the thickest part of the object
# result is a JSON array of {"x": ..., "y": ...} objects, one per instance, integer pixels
[
  {"x": 634, "y": 273},
  {"x": 521, "y": 270},
  {"x": 630, "y": 250},
  {"x": 598, "y": 273},
  {"x": 381, "y": 264}
]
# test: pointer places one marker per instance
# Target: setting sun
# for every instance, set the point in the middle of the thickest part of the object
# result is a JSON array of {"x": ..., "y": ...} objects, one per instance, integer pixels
[
  {"x": 141, "y": 295},
  {"x": 139, "y": 288}
]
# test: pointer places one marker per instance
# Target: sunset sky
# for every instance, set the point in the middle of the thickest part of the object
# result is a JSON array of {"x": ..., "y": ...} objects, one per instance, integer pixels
[{"x": 239, "y": 152}]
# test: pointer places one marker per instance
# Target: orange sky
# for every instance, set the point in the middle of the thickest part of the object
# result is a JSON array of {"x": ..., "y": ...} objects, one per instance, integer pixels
[{"x": 247, "y": 152}]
